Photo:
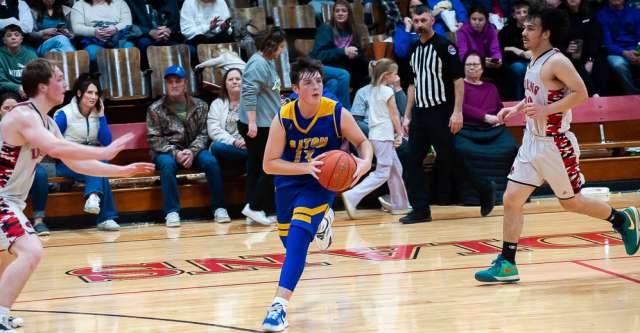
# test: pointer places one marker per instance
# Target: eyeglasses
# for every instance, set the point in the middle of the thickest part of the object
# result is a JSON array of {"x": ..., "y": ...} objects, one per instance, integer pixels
[{"x": 473, "y": 65}]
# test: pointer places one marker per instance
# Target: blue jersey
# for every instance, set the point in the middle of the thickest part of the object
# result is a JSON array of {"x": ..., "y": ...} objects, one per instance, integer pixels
[{"x": 307, "y": 138}]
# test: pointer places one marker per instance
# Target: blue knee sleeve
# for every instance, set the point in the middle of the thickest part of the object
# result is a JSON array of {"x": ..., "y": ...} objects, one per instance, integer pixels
[{"x": 297, "y": 244}]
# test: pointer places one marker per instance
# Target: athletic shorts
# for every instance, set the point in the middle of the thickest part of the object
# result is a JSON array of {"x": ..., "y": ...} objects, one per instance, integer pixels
[
  {"x": 13, "y": 224},
  {"x": 303, "y": 206},
  {"x": 554, "y": 159}
]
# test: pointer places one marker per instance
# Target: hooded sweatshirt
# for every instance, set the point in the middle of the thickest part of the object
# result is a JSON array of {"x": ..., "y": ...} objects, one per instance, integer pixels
[
  {"x": 11, "y": 66},
  {"x": 484, "y": 42}
]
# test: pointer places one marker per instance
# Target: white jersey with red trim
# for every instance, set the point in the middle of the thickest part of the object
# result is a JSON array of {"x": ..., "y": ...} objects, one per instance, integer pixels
[
  {"x": 537, "y": 92},
  {"x": 18, "y": 163}
]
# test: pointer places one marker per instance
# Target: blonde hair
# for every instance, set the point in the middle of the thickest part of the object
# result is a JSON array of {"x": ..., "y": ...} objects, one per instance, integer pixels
[{"x": 379, "y": 68}]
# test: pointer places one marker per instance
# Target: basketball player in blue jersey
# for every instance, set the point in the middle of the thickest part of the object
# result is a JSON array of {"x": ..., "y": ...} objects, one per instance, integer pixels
[{"x": 300, "y": 133}]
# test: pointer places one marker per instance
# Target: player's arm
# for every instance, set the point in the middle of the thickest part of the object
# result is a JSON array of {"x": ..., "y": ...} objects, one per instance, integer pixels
[
  {"x": 564, "y": 72},
  {"x": 99, "y": 169},
  {"x": 352, "y": 132},
  {"x": 273, "y": 164},
  {"x": 31, "y": 129}
]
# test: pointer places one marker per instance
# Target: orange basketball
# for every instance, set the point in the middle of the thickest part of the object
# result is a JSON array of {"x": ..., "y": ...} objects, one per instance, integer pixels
[{"x": 336, "y": 174}]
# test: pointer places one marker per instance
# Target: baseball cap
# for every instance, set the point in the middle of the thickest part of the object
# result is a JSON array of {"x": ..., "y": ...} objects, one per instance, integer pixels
[{"x": 174, "y": 70}]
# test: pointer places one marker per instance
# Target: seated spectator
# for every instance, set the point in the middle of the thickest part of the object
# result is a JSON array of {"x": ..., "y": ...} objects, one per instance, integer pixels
[
  {"x": 584, "y": 40},
  {"x": 103, "y": 24},
  {"x": 404, "y": 34},
  {"x": 440, "y": 6},
  {"x": 501, "y": 8},
  {"x": 40, "y": 187},
  {"x": 227, "y": 144},
  {"x": 621, "y": 34},
  {"x": 514, "y": 55},
  {"x": 16, "y": 12},
  {"x": 339, "y": 46},
  {"x": 82, "y": 121},
  {"x": 52, "y": 30},
  {"x": 483, "y": 146},
  {"x": 177, "y": 135},
  {"x": 391, "y": 12},
  {"x": 13, "y": 58},
  {"x": 159, "y": 22},
  {"x": 480, "y": 36},
  {"x": 205, "y": 21}
]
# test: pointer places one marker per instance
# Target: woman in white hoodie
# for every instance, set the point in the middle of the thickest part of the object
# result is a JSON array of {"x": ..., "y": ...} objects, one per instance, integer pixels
[
  {"x": 227, "y": 144},
  {"x": 83, "y": 121}
]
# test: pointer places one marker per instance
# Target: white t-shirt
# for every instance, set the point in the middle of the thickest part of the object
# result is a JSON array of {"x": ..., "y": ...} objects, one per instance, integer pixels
[{"x": 380, "y": 125}]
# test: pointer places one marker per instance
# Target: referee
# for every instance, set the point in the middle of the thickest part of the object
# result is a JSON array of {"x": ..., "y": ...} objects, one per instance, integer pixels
[{"x": 433, "y": 114}]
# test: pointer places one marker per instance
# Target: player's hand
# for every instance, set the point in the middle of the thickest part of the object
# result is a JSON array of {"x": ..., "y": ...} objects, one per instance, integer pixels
[
  {"x": 535, "y": 111},
  {"x": 135, "y": 169},
  {"x": 405, "y": 124},
  {"x": 313, "y": 167},
  {"x": 116, "y": 146},
  {"x": 362, "y": 167},
  {"x": 505, "y": 114},
  {"x": 455, "y": 122},
  {"x": 253, "y": 130}
]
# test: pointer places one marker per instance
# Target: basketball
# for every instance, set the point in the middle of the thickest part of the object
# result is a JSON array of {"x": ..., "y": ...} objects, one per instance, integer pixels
[{"x": 336, "y": 174}]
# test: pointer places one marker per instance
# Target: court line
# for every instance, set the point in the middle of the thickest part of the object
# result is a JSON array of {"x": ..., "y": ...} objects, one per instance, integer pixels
[
  {"x": 305, "y": 279},
  {"x": 139, "y": 317},
  {"x": 606, "y": 271}
]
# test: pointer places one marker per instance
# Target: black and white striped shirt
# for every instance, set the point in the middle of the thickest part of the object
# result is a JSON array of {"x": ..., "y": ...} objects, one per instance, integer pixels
[{"x": 434, "y": 66}]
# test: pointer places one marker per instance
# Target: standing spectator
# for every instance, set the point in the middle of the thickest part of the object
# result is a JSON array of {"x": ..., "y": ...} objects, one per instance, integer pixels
[
  {"x": 13, "y": 58},
  {"x": 159, "y": 22},
  {"x": 40, "y": 189},
  {"x": 205, "y": 21},
  {"x": 227, "y": 145},
  {"x": 177, "y": 134},
  {"x": 481, "y": 36},
  {"x": 385, "y": 134},
  {"x": 515, "y": 57},
  {"x": 259, "y": 102},
  {"x": 16, "y": 12},
  {"x": 52, "y": 31},
  {"x": 82, "y": 121},
  {"x": 102, "y": 24},
  {"x": 584, "y": 40},
  {"x": 339, "y": 46},
  {"x": 621, "y": 33},
  {"x": 433, "y": 114}
]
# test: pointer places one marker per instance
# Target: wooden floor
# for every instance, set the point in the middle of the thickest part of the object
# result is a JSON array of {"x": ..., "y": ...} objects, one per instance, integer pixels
[{"x": 379, "y": 276}]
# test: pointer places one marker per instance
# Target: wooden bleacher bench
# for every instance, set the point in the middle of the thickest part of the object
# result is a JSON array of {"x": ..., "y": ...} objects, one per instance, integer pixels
[{"x": 605, "y": 127}]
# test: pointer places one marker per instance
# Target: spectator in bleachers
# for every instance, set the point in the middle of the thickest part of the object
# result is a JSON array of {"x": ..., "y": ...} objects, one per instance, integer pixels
[
  {"x": 339, "y": 46},
  {"x": 177, "y": 135},
  {"x": 439, "y": 6},
  {"x": 584, "y": 40},
  {"x": 259, "y": 102},
  {"x": 480, "y": 36},
  {"x": 501, "y": 8},
  {"x": 227, "y": 144},
  {"x": 40, "y": 188},
  {"x": 83, "y": 121},
  {"x": 514, "y": 55},
  {"x": 13, "y": 58},
  {"x": 159, "y": 22},
  {"x": 391, "y": 12},
  {"x": 205, "y": 21},
  {"x": 404, "y": 34},
  {"x": 52, "y": 30},
  {"x": 16, "y": 12},
  {"x": 103, "y": 24},
  {"x": 621, "y": 34}
]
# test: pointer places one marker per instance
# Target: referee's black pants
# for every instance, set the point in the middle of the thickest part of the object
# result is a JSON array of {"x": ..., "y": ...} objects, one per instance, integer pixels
[{"x": 430, "y": 127}]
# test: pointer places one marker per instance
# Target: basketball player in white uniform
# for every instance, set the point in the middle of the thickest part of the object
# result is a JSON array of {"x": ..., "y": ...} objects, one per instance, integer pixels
[
  {"x": 27, "y": 134},
  {"x": 549, "y": 151}
]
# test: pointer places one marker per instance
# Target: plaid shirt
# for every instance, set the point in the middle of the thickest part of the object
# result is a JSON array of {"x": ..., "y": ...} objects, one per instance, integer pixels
[{"x": 166, "y": 133}]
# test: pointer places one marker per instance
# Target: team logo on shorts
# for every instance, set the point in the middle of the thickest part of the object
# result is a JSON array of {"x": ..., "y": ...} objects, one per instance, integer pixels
[{"x": 452, "y": 50}]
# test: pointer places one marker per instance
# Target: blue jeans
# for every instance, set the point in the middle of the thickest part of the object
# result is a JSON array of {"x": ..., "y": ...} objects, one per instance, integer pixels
[
  {"x": 228, "y": 154},
  {"x": 98, "y": 185},
  {"x": 59, "y": 43},
  {"x": 518, "y": 70},
  {"x": 168, "y": 167},
  {"x": 93, "y": 49},
  {"x": 336, "y": 80},
  {"x": 622, "y": 67},
  {"x": 39, "y": 192}
]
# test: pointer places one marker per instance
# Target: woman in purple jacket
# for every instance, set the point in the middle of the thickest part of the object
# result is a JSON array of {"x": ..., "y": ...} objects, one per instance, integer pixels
[{"x": 480, "y": 36}]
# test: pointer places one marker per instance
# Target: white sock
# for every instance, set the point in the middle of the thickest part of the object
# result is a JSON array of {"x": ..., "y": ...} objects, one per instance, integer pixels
[
  {"x": 282, "y": 301},
  {"x": 4, "y": 312}
]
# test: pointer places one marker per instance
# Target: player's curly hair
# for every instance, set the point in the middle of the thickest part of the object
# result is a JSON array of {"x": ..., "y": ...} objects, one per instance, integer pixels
[
  {"x": 555, "y": 21},
  {"x": 305, "y": 65}
]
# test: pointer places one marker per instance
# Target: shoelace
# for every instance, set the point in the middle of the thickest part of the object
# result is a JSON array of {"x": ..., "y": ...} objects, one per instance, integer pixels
[{"x": 275, "y": 310}]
